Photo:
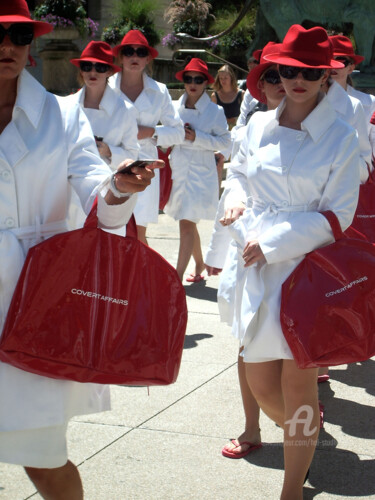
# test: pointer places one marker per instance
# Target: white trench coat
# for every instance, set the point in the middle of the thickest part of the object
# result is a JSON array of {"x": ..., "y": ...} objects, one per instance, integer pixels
[
  {"x": 195, "y": 188},
  {"x": 290, "y": 176},
  {"x": 153, "y": 106},
  {"x": 44, "y": 150}
]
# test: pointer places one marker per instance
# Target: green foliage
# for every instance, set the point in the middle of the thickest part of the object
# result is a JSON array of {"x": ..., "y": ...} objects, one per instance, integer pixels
[
  {"x": 129, "y": 15},
  {"x": 70, "y": 9},
  {"x": 189, "y": 16}
]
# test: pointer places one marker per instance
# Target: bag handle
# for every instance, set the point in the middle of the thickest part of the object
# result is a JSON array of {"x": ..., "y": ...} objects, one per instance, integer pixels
[
  {"x": 92, "y": 222},
  {"x": 334, "y": 223}
]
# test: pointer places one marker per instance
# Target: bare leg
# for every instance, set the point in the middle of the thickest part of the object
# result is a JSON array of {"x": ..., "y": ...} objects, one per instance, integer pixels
[
  {"x": 300, "y": 436},
  {"x": 62, "y": 483},
  {"x": 187, "y": 235},
  {"x": 264, "y": 380},
  {"x": 142, "y": 234},
  {"x": 251, "y": 433},
  {"x": 197, "y": 253}
]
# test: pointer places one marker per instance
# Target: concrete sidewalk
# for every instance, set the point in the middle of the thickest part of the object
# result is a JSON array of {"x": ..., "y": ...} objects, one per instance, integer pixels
[{"x": 167, "y": 445}]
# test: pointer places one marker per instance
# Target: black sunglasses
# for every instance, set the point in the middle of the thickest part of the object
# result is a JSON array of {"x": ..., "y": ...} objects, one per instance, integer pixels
[
  {"x": 87, "y": 66},
  {"x": 129, "y": 51},
  {"x": 271, "y": 76},
  {"x": 344, "y": 60},
  {"x": 19, "y": 33},
  {"x": 291, "y": 72},
  {"x": 198, "y": 80}
]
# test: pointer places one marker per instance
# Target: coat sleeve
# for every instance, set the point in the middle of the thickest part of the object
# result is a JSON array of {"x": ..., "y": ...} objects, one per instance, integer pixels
[
  {"x": 248, "y": 103},
  {"x": 87, "y": 173},
  {"x": 306, "y": 231},
  {"x": 219, "y": 139},
  {"x": 360, "y": 124},
  {"x": 129, "y": 147},
  {"x": 171, "y": 130}
]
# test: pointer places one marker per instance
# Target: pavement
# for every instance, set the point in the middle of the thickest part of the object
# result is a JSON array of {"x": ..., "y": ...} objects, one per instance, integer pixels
[{"x": 167, "y": 444}]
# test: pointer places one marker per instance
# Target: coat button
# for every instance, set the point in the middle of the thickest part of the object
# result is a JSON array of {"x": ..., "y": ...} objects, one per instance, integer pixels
[
  {"x": 5, "y": 175},
  {"x": 9, "y": 222},
  {"x": 284, "y": 203}
]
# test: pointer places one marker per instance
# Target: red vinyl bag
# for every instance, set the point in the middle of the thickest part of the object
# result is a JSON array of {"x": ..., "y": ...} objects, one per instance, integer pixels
[
  {"x": 327, "y": 308},
  {"x": 92, "y": 306},
  {"x": 165, "y": 178},
  {"x": 364, "y": 217}
]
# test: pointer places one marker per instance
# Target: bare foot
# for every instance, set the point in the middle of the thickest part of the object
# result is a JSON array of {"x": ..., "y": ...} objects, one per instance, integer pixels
[{"x": 246, "y": 437}]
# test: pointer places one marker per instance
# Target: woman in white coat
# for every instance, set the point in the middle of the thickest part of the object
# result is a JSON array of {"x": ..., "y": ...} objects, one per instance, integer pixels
[
  {"x": 44, "y": 148},
  {"x": 294, "y": 162},
  {"x": 113, "y": 121},
  {"x": 195, "y": 188},
  {"x": 153, "y": 106}
]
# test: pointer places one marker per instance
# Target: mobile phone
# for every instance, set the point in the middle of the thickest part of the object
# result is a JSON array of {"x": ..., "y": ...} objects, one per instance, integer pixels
[
  {"x": 136, "y": 163},
  {"x": 188, "y": 126},
  {"x": 98, "y": 138}
]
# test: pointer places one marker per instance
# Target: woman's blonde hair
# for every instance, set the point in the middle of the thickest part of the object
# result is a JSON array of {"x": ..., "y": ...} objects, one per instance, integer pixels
[{"x": 225, "y": 69}]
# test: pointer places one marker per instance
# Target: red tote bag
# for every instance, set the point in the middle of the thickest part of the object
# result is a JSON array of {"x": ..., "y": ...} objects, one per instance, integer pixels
[
  {"x": 92, "y": 306},
  {"x": 327, "y": 308},
  {"x": 165, "y": 178}
]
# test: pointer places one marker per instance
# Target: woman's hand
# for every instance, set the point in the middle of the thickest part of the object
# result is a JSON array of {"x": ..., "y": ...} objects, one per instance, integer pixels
[
  {"x": 104, "y": 150},
  {"x": 232, "y": 214},
  {"x": 212, "y": 271},
  {"x": 189, "y": 133},
  {"x": 145, "y": 132},
  {"x": 252, "y": 253}
]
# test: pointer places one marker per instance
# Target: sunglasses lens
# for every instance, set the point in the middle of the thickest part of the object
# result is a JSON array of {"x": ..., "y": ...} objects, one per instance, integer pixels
[
  {"x": 101, "y": 67},
  {"x": 187, "y": 79},
  {"x": 198, "y": 80},
  {"x": 142, "y": 52},
  {"x": 85, "y": 66},
  {"x": 272, "y": 77},
  {"x": 309, "y": 74},
  {"x": 19, "y": 34}
]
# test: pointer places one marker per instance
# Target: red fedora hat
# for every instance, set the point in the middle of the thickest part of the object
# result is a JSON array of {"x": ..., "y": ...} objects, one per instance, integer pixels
[
  {"x": 100, "y": 52},
  {"x": 198, "y": 65},
  {"x": 255, "y": 74},
  {"x": 305, "y": 49},
  {"x": 342, "y": 46},
  {"x": 257, "y": 54},
  {"x": 135, "y": 37},
  {"x": 17, "y": 11}
]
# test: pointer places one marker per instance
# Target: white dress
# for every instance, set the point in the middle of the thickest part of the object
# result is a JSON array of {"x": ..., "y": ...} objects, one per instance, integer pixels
[
  {"x": 153, "y": 106},
  {"x": 44, "y": 150},
  {"x": 290, "y": 176},
  {"x": 195, "y": 188}
]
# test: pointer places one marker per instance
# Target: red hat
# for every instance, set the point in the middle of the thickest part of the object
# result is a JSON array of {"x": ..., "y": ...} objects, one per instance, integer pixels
[
  {"x": 135, "y": 37},
  {"x": 17, "y": 11},
  {"x": 342, "y": 46},
  {"x": 198, "y": 65},
  {"x": 99, "y": 52},
  {"x": 255, "y": 74},
  {"x": 305, "y": 49}
]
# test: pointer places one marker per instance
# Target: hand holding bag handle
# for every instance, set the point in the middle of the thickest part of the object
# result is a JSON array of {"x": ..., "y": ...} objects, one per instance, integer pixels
[{"x": 327, "y": 311}]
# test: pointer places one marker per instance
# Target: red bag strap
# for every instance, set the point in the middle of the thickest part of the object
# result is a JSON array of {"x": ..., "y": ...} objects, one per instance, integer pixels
[
  {"x": 92, "y": 222},
  {"x": 334, "y": 223}
]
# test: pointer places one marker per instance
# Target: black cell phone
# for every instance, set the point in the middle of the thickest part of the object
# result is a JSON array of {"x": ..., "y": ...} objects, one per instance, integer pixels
[
  {"x": 98, "y": 138},
  {"x": 188, "y": 126},
  {"x": 136, "y": 163}
]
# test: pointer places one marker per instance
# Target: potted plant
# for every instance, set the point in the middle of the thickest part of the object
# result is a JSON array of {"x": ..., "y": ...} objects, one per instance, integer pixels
[{"x": 67, "y": 17}]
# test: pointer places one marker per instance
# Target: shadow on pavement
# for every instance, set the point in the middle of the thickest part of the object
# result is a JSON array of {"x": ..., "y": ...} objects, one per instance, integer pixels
[
  {"x": 357, "y": 375},
  {"x": 192, "y": 340},
  {"x": 201, "y": 291}
]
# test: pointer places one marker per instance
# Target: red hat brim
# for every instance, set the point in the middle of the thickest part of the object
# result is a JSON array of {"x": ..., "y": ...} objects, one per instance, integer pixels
[
  {"x": 114, "y": 67},
  {"x": 291, "y": 61},
  {"x": 356, "y": 59},
  {"x": 40, "y": 27}
]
